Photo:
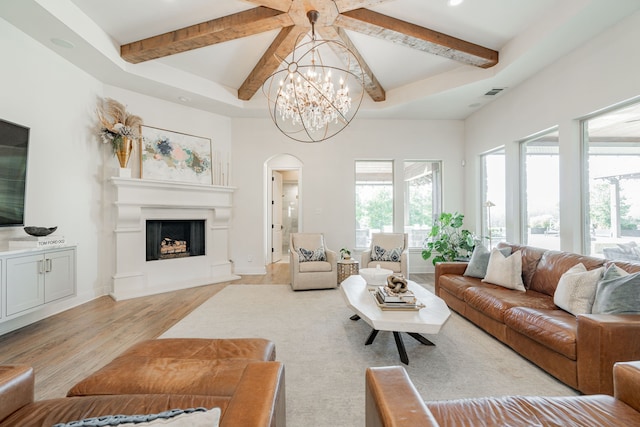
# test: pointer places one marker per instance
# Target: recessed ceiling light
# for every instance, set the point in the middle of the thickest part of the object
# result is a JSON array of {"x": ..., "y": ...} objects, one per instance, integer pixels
[
  {"x": 62, "y": 43},
  {"x": 455, "y": 2},
  {"x": 184, "y": 99}
]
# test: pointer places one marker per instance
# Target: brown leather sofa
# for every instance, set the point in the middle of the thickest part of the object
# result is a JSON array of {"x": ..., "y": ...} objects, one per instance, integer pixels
[
  {"x": 578, "y": 350},
  {"x": 239, "y": 376},
  {"x": 393, "y": 401}
]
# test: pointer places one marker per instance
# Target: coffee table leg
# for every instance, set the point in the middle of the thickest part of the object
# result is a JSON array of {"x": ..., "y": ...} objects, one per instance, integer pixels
[
  {"x": 372, "y": 336},
  {"x": 420, "y": 338},
  {"x": 401, "y": 350},
  {"x": 355, "y": 317}
]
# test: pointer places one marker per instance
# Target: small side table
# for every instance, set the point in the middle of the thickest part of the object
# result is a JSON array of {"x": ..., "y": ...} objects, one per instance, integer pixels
[{"x": 346, "y": 268}]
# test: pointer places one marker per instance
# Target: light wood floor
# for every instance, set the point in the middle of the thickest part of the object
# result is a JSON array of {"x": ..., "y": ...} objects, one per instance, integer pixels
[{"x": 67, "y": 347}]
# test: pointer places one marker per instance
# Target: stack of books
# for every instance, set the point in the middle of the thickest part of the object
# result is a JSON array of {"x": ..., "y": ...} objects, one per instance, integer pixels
[{"x": 390, "y": 300}]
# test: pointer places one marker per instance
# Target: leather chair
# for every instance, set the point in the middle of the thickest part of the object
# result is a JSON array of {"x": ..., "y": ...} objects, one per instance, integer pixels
[
  {"x": 307, "y": 272},
  {"x": 383, "y": 251}
]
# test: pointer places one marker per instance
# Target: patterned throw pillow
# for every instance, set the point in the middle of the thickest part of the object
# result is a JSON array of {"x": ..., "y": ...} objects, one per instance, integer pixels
[
  {"x": 307, "y": 255},
  {"x": 381, "y": 254}
]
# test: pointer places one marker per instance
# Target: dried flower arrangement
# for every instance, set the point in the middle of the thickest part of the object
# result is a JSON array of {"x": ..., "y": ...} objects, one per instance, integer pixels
[{"x": 116, "y": 123}]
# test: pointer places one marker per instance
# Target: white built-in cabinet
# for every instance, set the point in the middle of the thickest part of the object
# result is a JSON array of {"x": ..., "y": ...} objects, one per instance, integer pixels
[{"x": 31, "y": 279}]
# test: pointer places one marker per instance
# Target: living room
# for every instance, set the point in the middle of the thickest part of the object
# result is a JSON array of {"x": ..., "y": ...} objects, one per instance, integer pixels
[{"x": 70, "y": 170}]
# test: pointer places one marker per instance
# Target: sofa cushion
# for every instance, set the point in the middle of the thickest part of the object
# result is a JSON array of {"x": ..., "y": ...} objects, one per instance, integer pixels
[
  {"x": 456, "y": 285},
  {"x": 577, "y": 289},
  {"x": 618, "y": 292},
  {"x": 554, "y": 264},
  {"x": 308, "y": 255},
  {"x": 505, "y": 271},
  {"x": 479, "y": 261},
  {"x": 530, "y": 258},
  {"x": 555, "y": 329},
  {"x": 494, "y": 301},
  {"x": 585, "y": 411}
]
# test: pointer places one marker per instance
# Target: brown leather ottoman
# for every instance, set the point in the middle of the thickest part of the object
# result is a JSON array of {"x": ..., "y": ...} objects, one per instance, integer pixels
[{"x": 177, "y": 366}]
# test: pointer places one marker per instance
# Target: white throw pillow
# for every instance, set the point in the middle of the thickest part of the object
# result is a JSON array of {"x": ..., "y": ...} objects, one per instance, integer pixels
[
  {"x": 505, "y": 271},
  {"x": 576, "y": 289}
]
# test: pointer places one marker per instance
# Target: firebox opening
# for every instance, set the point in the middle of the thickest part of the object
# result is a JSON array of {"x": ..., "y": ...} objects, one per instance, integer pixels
[{"x": 174, "y": 239}]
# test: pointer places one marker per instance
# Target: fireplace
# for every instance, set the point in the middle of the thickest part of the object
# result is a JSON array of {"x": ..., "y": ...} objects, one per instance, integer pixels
[{"x": 174, "y": 239}]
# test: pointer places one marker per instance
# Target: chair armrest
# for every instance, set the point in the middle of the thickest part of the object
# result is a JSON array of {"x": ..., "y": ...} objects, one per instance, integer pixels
[
  {"x": 457, "y": 268},
  {"x": 16, "y": 388},
  {"x": 404, "y": 263},
  {"x": 259, "y": 399},
  {"x": 602, "y": 340},
  {"x": 626, "y": 383},
  {"x": 365, "y": 258},
  {"x": 332, "y": 258},
  {"x": 392, "y": 400}
]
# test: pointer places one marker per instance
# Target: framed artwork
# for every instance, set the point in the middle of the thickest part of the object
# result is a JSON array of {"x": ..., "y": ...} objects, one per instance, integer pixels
[{"x": 174, "y": 156}]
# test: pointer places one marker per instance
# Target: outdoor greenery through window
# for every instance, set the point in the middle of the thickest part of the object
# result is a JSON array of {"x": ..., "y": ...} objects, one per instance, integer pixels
[
  {"x": 422, "y": 198},
  {"x": 612, "y": 176},
  {"x": 374, "y": 199},
  {"x": 493, "y": 197},
  {"x": 541, "y": 191}
]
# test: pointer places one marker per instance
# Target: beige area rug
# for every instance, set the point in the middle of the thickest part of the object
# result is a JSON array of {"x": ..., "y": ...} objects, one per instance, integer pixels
[{"x": 325, "y": 357}]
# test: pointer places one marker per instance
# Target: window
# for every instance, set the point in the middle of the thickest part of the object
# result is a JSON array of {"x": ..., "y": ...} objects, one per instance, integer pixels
[
  {"x": 374, "y": 199},
  {"x": 541, "y": 191},
  {"x": 422, "y": 198},
  {"x": 493, "y": 197},
  {"x": 611, "y": 143}
]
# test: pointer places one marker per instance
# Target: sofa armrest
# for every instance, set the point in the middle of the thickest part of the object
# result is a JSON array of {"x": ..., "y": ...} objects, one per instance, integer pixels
[
  {"x": 16, "y": 388},
  {"x": 626, "y": 383},
  {"x": 393, "y": 401},
  {"x": 447, "y": 268},
  {"x": 259, "y": 399},
  {"x": 602, "y": 340}
]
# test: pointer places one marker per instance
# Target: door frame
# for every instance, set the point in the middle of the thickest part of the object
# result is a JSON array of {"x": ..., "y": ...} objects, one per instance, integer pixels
[{"x": 279, "y": 162}]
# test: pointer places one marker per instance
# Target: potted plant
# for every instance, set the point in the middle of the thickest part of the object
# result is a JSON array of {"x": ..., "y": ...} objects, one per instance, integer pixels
[
  {"x": 447, "y": 241},
  {"x": 345, "y": 253}
]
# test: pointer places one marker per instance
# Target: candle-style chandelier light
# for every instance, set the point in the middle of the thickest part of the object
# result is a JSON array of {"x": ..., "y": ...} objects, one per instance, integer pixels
[{"x": 305, "y": 102}]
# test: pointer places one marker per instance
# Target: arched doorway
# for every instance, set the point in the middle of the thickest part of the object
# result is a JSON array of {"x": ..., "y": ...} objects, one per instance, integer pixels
[{"x": 283, "y": 204}]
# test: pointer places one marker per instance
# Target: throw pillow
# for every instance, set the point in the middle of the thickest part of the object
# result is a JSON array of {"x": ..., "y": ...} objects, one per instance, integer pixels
[
  {"x": 316, "y": 255},
  {"x": 380, "y": 254},
  {"x": 577, "y": 289},
  {"x": 505, "y": 271},
  {"x": 618, "y": 292},
  {"x": 198, "y": 417},
  {"x": 479, "y": 261},
  {"x": 628, "y": 247}
]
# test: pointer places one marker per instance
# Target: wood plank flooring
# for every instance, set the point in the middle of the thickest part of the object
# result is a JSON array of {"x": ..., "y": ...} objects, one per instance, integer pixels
[{"x": 67, "y": 347}]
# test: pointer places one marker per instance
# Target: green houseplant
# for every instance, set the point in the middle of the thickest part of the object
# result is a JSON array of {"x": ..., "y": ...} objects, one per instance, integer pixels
[
  {"x": 346, "y": 253},
  {"x": 447, "y": 241}
]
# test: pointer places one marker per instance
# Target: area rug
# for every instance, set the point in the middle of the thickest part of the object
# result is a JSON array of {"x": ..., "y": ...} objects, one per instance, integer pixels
[{"x": 325, "y": 357}]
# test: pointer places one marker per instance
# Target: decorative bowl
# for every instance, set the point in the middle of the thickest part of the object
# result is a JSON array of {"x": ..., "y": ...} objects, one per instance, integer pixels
[{"x": 39, "y": 231}]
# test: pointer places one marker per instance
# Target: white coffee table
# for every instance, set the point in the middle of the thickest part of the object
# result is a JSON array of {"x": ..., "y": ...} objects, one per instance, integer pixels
[{"x": 427, "y": 320}]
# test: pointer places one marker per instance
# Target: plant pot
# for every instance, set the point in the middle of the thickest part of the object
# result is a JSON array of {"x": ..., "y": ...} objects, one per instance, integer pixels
[{"x": 123, "y": 149}]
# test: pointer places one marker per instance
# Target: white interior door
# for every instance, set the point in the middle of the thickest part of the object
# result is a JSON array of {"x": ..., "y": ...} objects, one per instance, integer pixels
[{"x": 276, "y": 215}]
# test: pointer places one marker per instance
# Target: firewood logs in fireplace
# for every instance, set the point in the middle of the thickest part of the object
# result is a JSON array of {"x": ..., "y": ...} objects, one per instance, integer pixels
[{"x": 171, "y": 246}]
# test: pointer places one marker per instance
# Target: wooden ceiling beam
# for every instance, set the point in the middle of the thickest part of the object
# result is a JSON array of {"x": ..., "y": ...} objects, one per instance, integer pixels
[
  {"x": 231, "y": 27},
  {"x": 347, "y": 5},
  {"x": 281, "y": 5},
  {"x": 360, "y": 68},
  {"x": 280, "y": 48},
  {"x": 384, "y": 27}
]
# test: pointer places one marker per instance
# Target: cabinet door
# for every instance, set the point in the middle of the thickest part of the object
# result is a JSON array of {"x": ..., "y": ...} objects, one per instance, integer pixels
[
  {"x": 60, "y": 280},
  {"x": 25, "y": 283}
]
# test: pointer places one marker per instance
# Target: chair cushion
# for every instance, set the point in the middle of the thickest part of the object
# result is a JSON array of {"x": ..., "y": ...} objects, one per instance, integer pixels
[
  {"x": 307, "y": 255},
  {"x": 381, "y": 254},
  {"x": 314, "y": 266}
]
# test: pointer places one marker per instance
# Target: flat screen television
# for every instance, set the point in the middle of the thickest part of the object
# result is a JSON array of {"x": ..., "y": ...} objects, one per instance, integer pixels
[{"x": 14, "y": 147}]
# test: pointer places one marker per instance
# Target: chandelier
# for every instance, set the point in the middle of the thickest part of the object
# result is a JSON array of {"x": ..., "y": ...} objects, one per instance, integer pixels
[{"x": 305, "y": 102}]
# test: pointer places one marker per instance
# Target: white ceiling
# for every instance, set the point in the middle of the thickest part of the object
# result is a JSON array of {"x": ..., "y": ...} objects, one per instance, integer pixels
[{"x": 529, "y": 34}]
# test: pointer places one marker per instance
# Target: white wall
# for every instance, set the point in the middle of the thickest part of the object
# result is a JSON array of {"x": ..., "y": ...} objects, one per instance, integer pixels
[
  {"x": 56, "y": 101},
  {"x": 327, "y": 182},
  {"x": 601, "y": 73},
  {"x": 69, "y": 168}
]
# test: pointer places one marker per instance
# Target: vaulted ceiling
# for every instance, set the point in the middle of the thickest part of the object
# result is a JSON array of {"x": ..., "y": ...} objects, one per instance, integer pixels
[{"x": 420, "y": 58}]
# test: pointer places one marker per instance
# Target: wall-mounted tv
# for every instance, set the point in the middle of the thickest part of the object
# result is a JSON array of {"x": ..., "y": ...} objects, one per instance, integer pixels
[{"x": 14, "y": 147}]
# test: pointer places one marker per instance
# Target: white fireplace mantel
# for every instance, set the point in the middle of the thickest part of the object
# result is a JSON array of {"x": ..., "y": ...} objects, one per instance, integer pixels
[{"x": 135, "y": 201}]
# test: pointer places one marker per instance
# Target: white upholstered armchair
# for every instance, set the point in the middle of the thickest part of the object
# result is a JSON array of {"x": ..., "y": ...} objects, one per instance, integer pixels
[
  {"x": 390, "y": 251},
  {"x": 311, "y": 263}
]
